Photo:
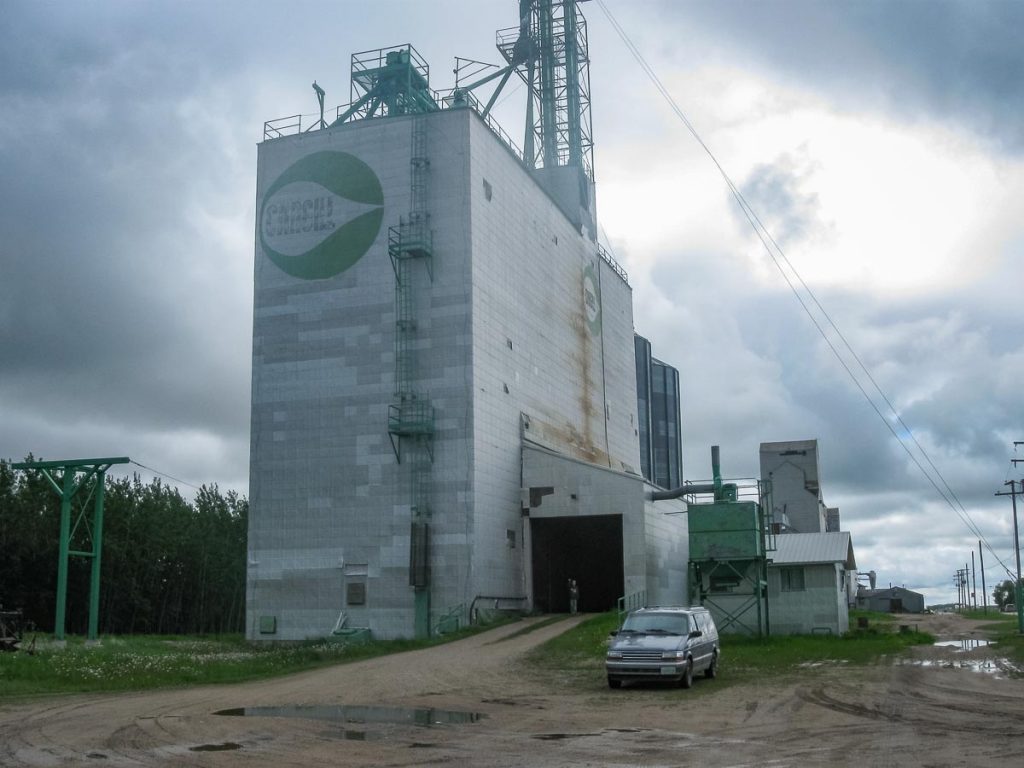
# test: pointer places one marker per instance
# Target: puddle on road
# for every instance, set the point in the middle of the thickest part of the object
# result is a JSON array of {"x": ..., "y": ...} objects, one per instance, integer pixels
[
  {"x": 828, "y": 663},
  {"x": 424, "y": 718},
  {"x": 965, "y": 644},
  {"x": 226, "y": 746},
  {"x": 349, "y": 735},
  {"x": 999, "y": 668}
]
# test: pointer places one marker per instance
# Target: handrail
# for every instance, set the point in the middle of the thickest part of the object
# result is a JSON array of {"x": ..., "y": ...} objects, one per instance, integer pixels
[
  {"x": 448, "y": 99},
  {"x": 273, "y": 129},
  {"x": 496, "y": 598},
  {"x": 631, "y": 602},
  {"x": 451, "y": 620},
  {"x": 611, "y": 262}
]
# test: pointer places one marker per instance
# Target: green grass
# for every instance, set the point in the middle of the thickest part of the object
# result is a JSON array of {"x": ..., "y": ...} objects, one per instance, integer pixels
[
  {"x": 873, "y": 617},
  {"x": 1002, "y": 628},
  {"x": 574, "y": 658},
  {"x": 993, "y": 614},
  {"x": 577, "y": 656},
  {"x": 581, "y": 648},
  {"x": 753, "y": 658},
  {"x": 144, "y": 661}
]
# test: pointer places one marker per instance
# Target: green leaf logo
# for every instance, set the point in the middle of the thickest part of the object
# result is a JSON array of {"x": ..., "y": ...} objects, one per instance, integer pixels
[
  {"x": 591, "y": 301},
  {"x": 321, "y": 215}
]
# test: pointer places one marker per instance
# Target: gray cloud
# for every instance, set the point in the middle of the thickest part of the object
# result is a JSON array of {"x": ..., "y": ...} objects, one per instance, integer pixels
[
  {"x": 754, "y": 369},
  {"x": 773, "y": 191},
  {"x": 111, "y": 305},
  {"x": 957, "y": 60},
  {"x": 127, "y": 153},
  {"x": 127, "y": 150}
]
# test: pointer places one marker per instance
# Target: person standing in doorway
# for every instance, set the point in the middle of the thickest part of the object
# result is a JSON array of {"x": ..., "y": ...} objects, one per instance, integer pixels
[{"x": 574, "y": 596}]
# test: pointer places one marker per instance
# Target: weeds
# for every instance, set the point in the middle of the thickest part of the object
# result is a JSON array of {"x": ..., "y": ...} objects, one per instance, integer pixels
[
  {"x": 576, "y": 656},
  {"x": 144, "y": 661}
]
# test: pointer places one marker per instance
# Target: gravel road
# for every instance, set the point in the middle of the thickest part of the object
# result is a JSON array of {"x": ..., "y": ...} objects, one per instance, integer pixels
[{"x": 937, "y": 706}]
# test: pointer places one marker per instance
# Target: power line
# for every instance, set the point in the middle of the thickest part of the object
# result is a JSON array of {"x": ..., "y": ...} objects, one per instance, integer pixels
[
  {"x": 164, "y": 474},
  {"x": 779, "y": 258}
]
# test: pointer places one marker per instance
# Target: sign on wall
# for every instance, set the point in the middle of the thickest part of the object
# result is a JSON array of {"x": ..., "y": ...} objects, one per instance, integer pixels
[
  {"x": 321, "y": 215},
  {"x": 592, "y": 300}
]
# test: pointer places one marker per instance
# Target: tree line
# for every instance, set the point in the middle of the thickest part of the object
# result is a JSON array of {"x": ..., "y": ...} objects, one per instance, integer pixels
[
  {"x": 1004, "y": 594},
  {"x": 169, "y": 565}
]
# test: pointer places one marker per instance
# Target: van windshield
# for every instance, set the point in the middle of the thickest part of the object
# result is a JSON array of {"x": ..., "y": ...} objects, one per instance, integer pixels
[{"x": 667, "y": 623}]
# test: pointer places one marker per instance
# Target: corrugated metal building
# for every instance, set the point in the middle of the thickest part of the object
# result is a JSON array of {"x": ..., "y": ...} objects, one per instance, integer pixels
[{"x": 891, "y": 600}]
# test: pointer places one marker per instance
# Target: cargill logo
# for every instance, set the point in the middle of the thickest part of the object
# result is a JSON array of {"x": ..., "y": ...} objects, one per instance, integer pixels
[{"x": 321, "y": 215}]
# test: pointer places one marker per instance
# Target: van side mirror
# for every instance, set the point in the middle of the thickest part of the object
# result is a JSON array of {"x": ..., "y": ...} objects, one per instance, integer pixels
[
  {"x": 613, "y": 633},
  {"x": 696, "y": 633}
]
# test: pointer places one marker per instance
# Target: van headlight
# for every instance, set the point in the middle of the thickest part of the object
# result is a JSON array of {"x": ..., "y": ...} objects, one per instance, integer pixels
[
  {"x": 673, "y": 655},
  {"x": 614, "y": 654}
]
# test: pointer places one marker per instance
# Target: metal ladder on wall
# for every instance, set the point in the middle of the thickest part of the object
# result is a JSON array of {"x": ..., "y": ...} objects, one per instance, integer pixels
[{"x": 410, "y": 415}]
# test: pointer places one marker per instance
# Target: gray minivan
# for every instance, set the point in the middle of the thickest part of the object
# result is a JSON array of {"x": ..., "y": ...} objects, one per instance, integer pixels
[{"x": 670, "y": 643}]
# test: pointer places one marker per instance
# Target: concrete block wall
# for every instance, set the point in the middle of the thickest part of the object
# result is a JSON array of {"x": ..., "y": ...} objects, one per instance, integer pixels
[
  {"x": 326, "y": 489},
  {"x": 619, "y": 370},
  {"x": 534, "y": 351},
  {"x": 667, "y": 544},
  {"x": 654, "y": 544}
]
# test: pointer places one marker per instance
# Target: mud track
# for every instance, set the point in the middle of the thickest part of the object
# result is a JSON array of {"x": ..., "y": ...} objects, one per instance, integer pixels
[{"x": 934, "y": 707}]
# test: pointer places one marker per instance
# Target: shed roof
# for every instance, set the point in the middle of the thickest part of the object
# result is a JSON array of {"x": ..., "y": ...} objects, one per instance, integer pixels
[
  {"x": 891, "y": 592},
  {"x": 832, "y": 547}
]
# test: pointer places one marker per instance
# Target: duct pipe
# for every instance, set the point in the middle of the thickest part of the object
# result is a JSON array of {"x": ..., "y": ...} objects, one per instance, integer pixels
[
  {"x": 714, "y": 487},
  {"x": 716, "y": 470},
  {"x": 686, "y": 490}
]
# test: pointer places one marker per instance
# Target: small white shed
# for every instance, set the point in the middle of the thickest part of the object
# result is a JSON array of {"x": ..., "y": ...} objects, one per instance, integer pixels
[{"x": 810, "y": 580}]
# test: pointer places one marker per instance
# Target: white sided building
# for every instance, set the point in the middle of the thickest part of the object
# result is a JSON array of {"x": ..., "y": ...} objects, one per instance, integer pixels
[{"x": 426, "y": 315}]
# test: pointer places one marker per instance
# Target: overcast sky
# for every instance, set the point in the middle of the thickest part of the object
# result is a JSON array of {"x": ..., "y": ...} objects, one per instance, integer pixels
[{"x": 882, "y": 143}]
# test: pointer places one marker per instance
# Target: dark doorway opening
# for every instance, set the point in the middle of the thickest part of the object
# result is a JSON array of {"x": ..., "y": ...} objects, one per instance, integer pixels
[{"x": 587, "y": 549}]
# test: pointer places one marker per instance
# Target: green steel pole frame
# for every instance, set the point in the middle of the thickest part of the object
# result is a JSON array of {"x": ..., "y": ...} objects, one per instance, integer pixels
[
  {"x": 65, "y": 544},
  {"x": 97, "y": 548},
  {"x": 69, "y": 486},
  {"x": 421, "y": 621}
]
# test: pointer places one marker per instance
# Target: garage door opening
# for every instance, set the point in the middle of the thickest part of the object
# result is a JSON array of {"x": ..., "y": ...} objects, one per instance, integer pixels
[{"x": 587, "y": 549}]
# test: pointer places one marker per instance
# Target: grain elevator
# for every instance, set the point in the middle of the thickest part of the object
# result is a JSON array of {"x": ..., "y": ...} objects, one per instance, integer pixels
[{"x": 444, "y": 401}]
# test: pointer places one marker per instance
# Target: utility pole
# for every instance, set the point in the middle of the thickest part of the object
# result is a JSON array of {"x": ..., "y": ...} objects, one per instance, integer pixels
[
  {"x": 1016, "y": 547},
  {"x": 967, "y": 587},
  {"x": 984, "y": 589},
  {"x": 974, "y": 583}
]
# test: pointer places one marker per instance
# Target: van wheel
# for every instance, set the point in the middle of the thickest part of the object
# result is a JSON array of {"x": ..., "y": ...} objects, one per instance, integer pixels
[
  {"x": 613, "y": 683},
  {"x": 687, "y": 679},
  {"x": 712, "y": 671}
]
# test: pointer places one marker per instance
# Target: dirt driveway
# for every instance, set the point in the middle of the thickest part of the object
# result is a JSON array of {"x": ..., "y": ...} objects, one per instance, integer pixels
[{"x": 936, "y": 707}]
